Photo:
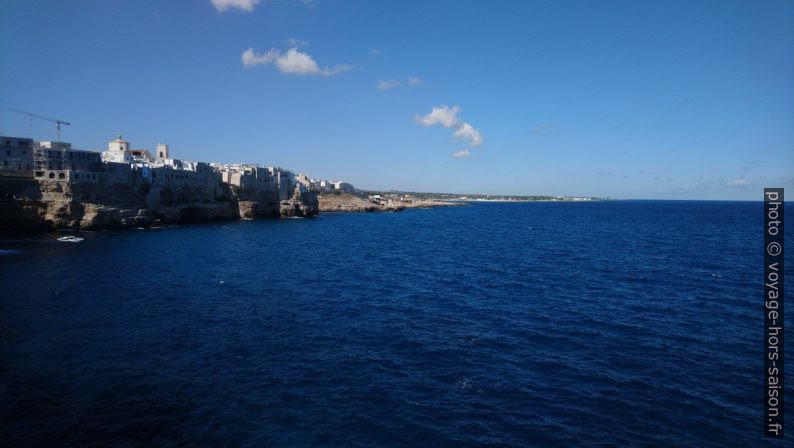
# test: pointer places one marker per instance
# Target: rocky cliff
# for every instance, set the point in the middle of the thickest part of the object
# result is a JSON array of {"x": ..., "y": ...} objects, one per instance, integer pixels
[
  {"x": 345, "y": 202},
  {"x": 300, "y": 204},
  {"x": 30, "y": 204}
]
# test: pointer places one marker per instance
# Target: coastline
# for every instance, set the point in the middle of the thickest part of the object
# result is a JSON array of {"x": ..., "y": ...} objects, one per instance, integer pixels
[
  {"x": 346, "y": 202},
  {"x": 48, "y": 185},
  {"x": 46, "y": 206},
  {"x": 41, "y": 206}
]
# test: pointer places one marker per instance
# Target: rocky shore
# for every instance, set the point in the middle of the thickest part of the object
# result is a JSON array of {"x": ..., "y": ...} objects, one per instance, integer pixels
[
  {"x": 48, "y": 205},
  {"x": 345, "y": 202}
]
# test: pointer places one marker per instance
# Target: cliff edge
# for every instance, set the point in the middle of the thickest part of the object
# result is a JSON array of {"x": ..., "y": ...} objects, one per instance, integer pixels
[{"x": 47, "y": 205}]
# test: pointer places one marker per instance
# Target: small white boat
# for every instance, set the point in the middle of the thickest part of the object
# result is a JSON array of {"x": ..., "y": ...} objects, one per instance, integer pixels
[{"x": 70, "y": 239}]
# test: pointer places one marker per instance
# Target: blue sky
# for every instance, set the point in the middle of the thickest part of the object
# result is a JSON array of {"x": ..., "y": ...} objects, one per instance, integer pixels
[{"x": 627, "y": 99}]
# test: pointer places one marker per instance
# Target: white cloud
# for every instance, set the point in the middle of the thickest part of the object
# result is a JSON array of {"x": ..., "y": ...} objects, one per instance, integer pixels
[
  {"x": 414, "y": 81},
  {"x": 443, "y": 115},
  {"x": 388, "y": 84},
  {"x": 374, "y": 52},
  {"x": 250, "y": 58},
  {"x": 739, "y": 182},
  {"x": 462, "y": 154},
  {"x": 245, "y": 5},
  {"x": 393, "y": 83},
  {"x": 447, "y": 116},
  {"x": 338, "y": 69},
  {"x": 468, "y": 132},
  {"x": 296, "y": 43},
  {"x": 293, "y": 62}
]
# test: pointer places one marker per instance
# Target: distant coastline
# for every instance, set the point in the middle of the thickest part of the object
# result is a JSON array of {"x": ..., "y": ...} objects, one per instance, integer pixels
[
  {"x": 366, "y": 202},
  {"x": 386, "y": 201},
  {"x": 484, "y": 197}
]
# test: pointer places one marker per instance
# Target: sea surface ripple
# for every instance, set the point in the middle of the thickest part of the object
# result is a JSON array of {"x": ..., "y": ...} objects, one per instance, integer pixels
[{"x": 624, "y": 323}]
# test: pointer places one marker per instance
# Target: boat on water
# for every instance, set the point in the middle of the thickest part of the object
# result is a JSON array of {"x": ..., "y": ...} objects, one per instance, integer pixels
[{"x": 70, "y": 239}]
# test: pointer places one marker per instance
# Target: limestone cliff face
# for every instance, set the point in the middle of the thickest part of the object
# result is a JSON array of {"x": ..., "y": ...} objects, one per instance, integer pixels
[
  {"x": 300, "y": 204},
  {"x": 258, "y": 209},
  {"x": 27, "y": 204},
  {"x": 98, "y": 216},
  {"x": 256, "y": 204},
  {"x": 345, "y": 202}
]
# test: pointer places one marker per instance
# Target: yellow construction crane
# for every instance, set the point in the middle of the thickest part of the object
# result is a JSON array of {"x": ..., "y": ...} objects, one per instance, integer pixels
[{"x": 57, "y": 122}]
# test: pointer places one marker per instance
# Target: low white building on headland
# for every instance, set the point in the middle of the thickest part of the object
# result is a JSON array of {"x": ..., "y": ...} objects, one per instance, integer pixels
[
  {"x": 326, "y": 186},
  {"x": 344, "y": 187}
]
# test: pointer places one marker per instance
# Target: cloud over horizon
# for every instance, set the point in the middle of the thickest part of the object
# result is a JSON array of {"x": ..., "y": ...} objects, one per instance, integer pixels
[
  {"x": 468, "y": 132},
  {"x": 443, "y": 115},
  {"x": 388, "y": 84},
  {"x": 392, "y": 83},
  {"x": 296, "y": 43},
  {"x": 293, "y": 62},
  {"x": 243, "y": 5},
  {"x": 447, "y": 116},
  {"x": 740, "y": 182},
  {"x": 461, "y": 154}
]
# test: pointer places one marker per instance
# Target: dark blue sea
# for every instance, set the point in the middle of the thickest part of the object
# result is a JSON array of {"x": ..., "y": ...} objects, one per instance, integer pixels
[{"x": 622, "y": 323}]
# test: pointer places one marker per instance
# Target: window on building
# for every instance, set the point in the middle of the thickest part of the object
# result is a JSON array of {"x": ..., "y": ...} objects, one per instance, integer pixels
[
  {"x": 61, "y": 176},
  {"x": 52, "y": 175},
  {"x": 8, "y": 152}
]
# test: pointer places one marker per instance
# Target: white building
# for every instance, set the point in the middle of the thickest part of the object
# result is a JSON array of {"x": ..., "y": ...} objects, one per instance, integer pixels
[
  {"x": 118, "y": 151},
  {"x": 344, "y": 187},
  {"x": 141, "y": 155},
  {"x": 162, "y": 151}
]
